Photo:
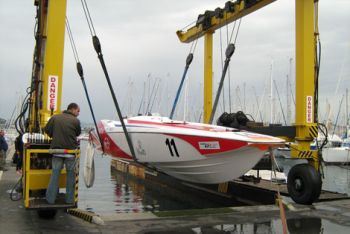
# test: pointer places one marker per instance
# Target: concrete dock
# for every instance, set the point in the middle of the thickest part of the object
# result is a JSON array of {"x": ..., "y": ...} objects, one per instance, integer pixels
[{"x": 323, "y": 216}]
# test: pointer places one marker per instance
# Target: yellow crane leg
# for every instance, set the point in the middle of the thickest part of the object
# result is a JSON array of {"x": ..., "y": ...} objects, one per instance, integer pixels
[
  {"x": 53, "y": 60},
  {"x": 208, "y": 76},
  {"x": 306, "y": 128}
]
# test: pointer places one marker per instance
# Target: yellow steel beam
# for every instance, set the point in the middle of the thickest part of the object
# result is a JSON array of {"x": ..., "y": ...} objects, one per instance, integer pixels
[
  {"x": 306, "y": 128},
  {"x": 241, "y": 8},
  {"x": 208, "y": 76},
  {"x": 53, "y": 60},
  {"x": 305, "y": 54}
]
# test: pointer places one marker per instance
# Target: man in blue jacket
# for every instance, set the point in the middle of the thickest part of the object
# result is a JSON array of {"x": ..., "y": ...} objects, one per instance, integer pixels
[
  {"x": 3, "y": 149},
  {"x": 63, "y": 129}
]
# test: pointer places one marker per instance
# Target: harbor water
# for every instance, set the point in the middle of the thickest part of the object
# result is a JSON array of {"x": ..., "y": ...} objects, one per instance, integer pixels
[{"x": 117, "y": 192}]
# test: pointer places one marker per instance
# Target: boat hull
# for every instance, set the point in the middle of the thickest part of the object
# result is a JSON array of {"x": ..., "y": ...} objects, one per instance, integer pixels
[
  {"x": 336, "y": 155},
  {"x": 201, "y": 156},
  {"x": 213, "y": 169}
]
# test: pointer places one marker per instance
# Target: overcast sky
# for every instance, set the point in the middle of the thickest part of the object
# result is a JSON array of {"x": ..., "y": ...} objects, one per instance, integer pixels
[{"x": 141, "y": 49}]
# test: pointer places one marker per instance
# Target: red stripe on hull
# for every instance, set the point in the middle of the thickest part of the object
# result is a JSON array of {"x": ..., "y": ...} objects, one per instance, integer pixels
[
  {"x": 109, "y": 145},
  {"x": 178, "y": 125}
]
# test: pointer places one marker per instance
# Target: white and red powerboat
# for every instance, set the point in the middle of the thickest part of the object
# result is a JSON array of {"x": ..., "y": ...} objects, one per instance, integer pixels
[{"x": 194, "y": 152}]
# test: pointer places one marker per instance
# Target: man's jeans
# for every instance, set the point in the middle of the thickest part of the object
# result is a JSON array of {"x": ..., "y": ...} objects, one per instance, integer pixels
[
  {"x": 2, "y": 159},
  {"x": 52, "y": 190}
]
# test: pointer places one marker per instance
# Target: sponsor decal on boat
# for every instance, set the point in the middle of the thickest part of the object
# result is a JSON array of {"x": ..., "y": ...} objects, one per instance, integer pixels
[
  {"x": 139, "y": 148},
  {"x": 209, "y": 145}
]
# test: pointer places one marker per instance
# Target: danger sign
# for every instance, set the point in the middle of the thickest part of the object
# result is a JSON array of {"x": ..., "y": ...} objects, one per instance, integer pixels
[
  {"x": 309, "y": 111},
  {"x": 52, "y": 93}
]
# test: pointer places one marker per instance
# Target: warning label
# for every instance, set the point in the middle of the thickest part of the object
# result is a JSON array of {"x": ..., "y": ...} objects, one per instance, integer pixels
[{"x": 52, "y": 93}]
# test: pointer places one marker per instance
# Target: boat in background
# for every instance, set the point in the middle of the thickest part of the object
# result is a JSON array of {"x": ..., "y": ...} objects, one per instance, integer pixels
[
  {"x": 194, "y": 152},
  {"x": 336, "y": 155},
  {"x": 336, "y": 151}
]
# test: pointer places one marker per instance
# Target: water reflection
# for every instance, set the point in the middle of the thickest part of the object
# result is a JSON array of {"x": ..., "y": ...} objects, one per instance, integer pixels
[
  {"x": 139, "y": 195},
  {"x": 127, "y": 200},
  {"x": 307, "y": 225},
  {"x": 295, "y": 226},
  {"x": 117, "y": 192},
  {"x": 337, "y": 179}
]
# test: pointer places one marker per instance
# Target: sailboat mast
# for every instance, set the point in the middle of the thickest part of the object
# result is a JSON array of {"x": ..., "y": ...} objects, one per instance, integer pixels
[
  {"x": 289, "y": 77},
  {"x": 347, "y": 107},
  {"x": 271, "y": 93}
]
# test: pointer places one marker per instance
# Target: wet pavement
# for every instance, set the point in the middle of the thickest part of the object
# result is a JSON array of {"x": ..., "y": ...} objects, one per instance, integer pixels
[{"x": 325, "y": 217}]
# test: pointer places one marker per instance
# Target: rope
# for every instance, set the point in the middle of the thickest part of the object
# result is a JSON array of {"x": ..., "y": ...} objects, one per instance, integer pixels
[
  {"x": 274, "y": 165},
  {"x": 81, "y": 74},
  {"x": 193, "y": 46},
  {"x": 239, "y": 25},
  {"x": 98, "y": 49},
  {"x": 222, "y": 67},
  {"x": 229, "y": 52},
  {"x": 229, "y": 70},
  {"x": 187, "y": 66}
]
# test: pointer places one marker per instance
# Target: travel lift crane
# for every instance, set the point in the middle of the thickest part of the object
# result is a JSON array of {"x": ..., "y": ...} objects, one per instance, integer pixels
[
  {"x": 304, "y": 180},
  {"x": 45, "y": 101}
]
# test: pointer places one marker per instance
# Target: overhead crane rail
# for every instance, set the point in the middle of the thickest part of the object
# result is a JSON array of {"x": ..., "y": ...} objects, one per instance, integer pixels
[{"x": 210, "y": 21}]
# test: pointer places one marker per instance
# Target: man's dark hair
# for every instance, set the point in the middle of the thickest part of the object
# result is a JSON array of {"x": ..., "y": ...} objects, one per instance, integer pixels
[{"x": 72, "y": 106}]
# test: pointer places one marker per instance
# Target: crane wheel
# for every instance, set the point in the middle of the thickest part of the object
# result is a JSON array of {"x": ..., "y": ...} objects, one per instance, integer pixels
[
  {"x": 304, "y": 184},
  {"x": 47, "y": 214}
]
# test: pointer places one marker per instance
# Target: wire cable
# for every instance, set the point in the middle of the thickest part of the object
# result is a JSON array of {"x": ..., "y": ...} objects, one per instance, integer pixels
[
  {"x": 88, "y": 17},
  {"x": 98, "y": 49},
  {"x": 222, "y": 67},
  {"x": 279, "y": 99},
  {"x": 72, "y": 43},
  {"x": 189, "y": 60},
  {"x": 81, "y": 74}
]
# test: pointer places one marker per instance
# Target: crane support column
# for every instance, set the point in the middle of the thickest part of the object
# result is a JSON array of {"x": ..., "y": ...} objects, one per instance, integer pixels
[
  {"x": 306, "y": 128},
  {"x": 46, "y": 94},
  {"x": 53, "y": 60},
  {"x": 208, "y": 76}
]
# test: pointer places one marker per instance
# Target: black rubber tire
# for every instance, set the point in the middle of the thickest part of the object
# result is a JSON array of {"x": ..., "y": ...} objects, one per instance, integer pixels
[
  {"x": 47, "y": 214},
  {"x": 304, "y": 184}
]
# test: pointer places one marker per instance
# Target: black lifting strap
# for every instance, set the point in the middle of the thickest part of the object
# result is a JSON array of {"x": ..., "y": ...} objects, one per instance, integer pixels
[
  {"x": 188, "y": 62},
  {"x": 81, "y": 74},
  {"x": 97, "y": 46},
  {"x": 229, "y": 52}
]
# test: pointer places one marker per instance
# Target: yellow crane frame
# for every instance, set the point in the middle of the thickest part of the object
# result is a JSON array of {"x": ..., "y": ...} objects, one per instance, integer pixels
[
  {"x": 305, "y": 127},
  {"x": 45, "y": 101}
]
